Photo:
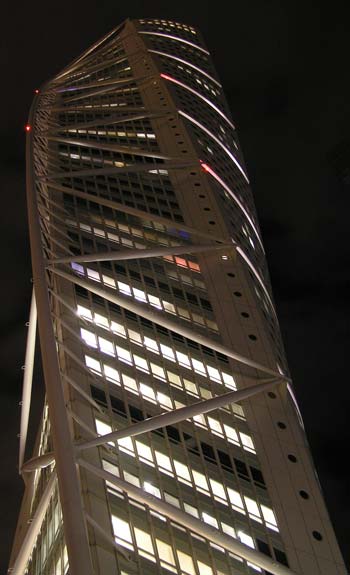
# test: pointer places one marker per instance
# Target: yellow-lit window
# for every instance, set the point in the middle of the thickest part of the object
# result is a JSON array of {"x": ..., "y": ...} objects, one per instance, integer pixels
[
  {"x": 186, "y": 563},
  {"x": 122, "y": 532},
  {"x": 165, "y": 553},
  {"x": 144, "y": 543}
]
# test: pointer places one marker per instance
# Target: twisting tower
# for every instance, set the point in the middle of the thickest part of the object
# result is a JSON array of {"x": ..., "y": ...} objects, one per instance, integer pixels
[{"x": 170, "y": 440}]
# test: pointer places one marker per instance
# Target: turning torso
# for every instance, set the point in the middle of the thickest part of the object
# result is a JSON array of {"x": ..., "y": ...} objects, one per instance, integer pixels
[{"x": 170, "y": 440}]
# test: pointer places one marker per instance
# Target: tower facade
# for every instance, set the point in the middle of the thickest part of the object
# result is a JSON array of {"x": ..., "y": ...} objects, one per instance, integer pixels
[{"x": 171, "y": 441}]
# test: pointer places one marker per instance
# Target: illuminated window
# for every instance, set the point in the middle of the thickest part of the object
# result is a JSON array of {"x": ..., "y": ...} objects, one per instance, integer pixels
[
  {"x": 269, "y": 516},
  {"x": 111, "y": 373},
  {"x": 186, "y": 563},
  {"x": 84, "y": 312},
  {"x": 246, "y": 539},
  {"x": 235, "y": 499},
  {"x": 152, "y": 489},
  {"x": 144, "y": 451},
  {"x": 122, "y": 532},
  {"x": 103, "y": 428},
  {"x": 123, "y": 354},
  {"x": 92, "y": 364},
  {"x": 88, "y": 337},
  {"x": 144, "y": 543},
  {"x": 165, "y": 553},
  {"x": 182, "y": 470},
  {"x": 106, "y": 346},
  {"x": 217, "y": 488}
]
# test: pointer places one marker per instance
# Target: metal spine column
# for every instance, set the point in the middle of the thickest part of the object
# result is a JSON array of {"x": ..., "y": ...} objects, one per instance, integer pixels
[{"x": 70, "y": 497}]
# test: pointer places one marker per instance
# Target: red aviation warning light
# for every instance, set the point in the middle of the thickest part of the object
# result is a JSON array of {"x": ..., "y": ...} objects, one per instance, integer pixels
[{"x": 28, "y": 128}]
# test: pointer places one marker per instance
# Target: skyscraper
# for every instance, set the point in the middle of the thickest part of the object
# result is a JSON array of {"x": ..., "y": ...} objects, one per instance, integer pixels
[{"x": 170, "y": 440}]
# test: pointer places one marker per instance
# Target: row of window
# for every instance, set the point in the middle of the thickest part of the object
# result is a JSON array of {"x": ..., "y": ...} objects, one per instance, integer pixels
[
  {"x": 143, "y": 297},
  {"x": 164, "y": 400},
  {"x": 210, "y": 487},
  {"x": 171, "y": 354}
]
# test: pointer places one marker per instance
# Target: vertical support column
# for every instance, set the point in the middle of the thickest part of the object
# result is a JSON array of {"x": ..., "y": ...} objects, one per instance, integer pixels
[
  {"x": 69, "y": 489},
  {"x": 27, "y": 380}
]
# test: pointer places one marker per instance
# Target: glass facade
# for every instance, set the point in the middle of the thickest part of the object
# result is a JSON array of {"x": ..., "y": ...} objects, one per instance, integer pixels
[{"x": 160, "y": 297}]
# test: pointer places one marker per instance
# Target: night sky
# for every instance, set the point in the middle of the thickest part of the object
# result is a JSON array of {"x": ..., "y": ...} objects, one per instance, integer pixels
[{"x": 284, "y": 68}]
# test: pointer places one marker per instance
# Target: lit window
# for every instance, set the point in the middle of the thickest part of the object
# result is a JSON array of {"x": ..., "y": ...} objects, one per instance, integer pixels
[
  {"x": 169, "y": 307},
  {"x": 152, "y": 489},
  {"x": 191, "y": 510},
  {"x": 139, "y": 294},
  {"x": 182, "y": 470},
  {"x": 204, "y": 569},
  {"x": 157, "y": 371},
  {"x": 215, "y": 425},
  {"x": 84, "y": 312},
  {"x": 118, "y": 328},
  {"x": 126, "y": 444},
  {"x": 88, "y": 337},
  {"x": 130, "y": 478},
  {"x": 214, "y": 373},
  {"x": 78, "y": 268},
  {"x": 183, "y": 359},
  {"x": 268, "y": 515},
  {"x": 93, "y": 363},
  {"x": 228, "y": 529},
  {"x": 103, "y": 428},
  {"x": 171, "y": 500},
  {"x": 251, "y": 506},
  {"x": 246, "y": 539},
  {"x": 101, "y": 320},
  {"x": 135, "y": 336},
  {"x": 93, "y": 275},
  {"x": 200, "y": 480},
  {"x": 231, "y": 434},
  {"x": 186, "y": 563},
  {"x": 217, "y": 488},
  {"x": 228, "y": 380},
  {"x": 167, "y": 352},
  {"x": 198, "y": 366},
  {"x": 155, "y": 301},
  {"x": 111, "y": 373},
  {"x": 190, "y": 386},
  {"x": 147, "y": 391},
  {"x": 144, "y": 542},
  {"x": 165, "y": 553},
  {"x": 164, "y": 400},
  {"x": 141, "y": 363},
  {"x": 210, "y": 520},
  {"x": 108, "y": 281},
  {"x": 163, "y": 461},
  {"x": 150, "y": 344},
  {"x": 144, "y": 451},
  {"x": 124, "y": 288},
  {"x": 247, "y": 441},
  {"x": 106, "y": 346},
  {"x": 235, "y": 499},
  {"x": 122, "y": 532},
  {"x": 174, "y": 378},
  {"x": 123, "y": 354},
  {"x": 129, "y": 382}
]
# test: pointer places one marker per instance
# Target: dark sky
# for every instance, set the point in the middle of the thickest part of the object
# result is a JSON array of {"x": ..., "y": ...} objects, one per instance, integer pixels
[{"x": 284, "y": 68}]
